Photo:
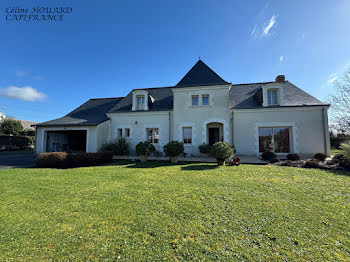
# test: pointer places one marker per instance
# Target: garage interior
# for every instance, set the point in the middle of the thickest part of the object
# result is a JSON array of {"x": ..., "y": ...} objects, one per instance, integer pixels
[{"x": 66, "y": 141}]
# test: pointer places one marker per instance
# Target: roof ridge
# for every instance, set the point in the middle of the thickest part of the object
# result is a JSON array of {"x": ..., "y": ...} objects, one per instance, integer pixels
[
  {"x": 256, "y": 83},
  {"x": 106, "y": 98}
]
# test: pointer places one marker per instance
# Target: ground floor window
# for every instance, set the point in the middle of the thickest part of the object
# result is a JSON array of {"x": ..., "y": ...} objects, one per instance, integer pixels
[
  {"x": 153, "y": 135},
  {"x": 120, "y": 132},
  {"x": 187, "y": 135},
  {"x": 127, "y": 132},
  {"x": 275, "y": 139}
]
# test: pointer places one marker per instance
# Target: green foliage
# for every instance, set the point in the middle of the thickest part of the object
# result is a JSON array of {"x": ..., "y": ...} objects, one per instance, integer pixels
[
  {"x": 28, "y": 132},
  {"x": 320, "y": 156},
  {"x": 70, "y": 160},
  {"x": 156, "y": 211},
  {"x": 145, "y": 148},
  {"x": 204, "y": 148},
  {"x": 293, "y": 157},
  {"x": 11, "y": 127},
  {"x": 174, "y": 148},
  {"x": 268, "y": 155},
  {"x": 119, "y": 147},
  {"x": 312, "y": 164},
  {"x": 346, "y": 150},
  {"x": 15, "y": 143},
  {"x": 222, "y": 150}
]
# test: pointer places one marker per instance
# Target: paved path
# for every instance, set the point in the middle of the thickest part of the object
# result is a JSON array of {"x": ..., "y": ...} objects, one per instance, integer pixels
[{"x": 12, "y": 160}]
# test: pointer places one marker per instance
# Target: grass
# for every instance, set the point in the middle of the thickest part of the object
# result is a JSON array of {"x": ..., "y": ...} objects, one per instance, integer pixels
[
  {"x": 335, "y": 151},
  {"x": 156, "y": 211}
]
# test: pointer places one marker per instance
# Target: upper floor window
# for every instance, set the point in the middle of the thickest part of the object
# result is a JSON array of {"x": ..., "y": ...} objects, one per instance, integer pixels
[
  {"x": 195, "y": 100},
  {"x": 272, "y": 97},
  {"x": 205, "y": 100},
  {"x": 140, "y": 102},
  {"x": 153, "y": 135},
  {"x": 187, "y": 135}
]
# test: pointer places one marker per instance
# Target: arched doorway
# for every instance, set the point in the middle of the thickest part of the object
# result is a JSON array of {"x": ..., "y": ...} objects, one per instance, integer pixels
[{"x": 215, "y": 133}]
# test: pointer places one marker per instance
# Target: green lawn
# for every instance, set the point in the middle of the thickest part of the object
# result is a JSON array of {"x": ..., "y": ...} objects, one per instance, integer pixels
[
  {"x": 155, "y": 211},
  {"x": 335, "y": 151}
]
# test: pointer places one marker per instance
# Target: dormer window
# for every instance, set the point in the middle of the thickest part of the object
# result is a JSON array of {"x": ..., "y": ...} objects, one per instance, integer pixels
[
  {"x": 140, "y": 102},
  {"x": 272, "y": 97}
]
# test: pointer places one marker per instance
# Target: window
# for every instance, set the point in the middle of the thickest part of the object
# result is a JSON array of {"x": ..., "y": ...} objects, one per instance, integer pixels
[
  {"x": 140, "y": 102},
  {"x": 205, "y": 100},
  {"x": 272, "y": 97},
  {"x": 127, "y": 132},
  {"x": 153, "y": 135},
  {"x": 194, "y": 100},
  {"x": 120, "y": 132},
  {"x": 187, "y": 135},
  {"x": 275, "y": 139}
]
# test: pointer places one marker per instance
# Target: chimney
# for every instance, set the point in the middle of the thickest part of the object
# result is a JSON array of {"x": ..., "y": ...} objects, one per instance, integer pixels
[{"x": 280, "y": 78}]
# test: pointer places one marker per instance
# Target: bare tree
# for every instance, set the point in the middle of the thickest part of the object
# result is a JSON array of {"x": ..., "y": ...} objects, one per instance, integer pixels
[{"x": 340, "y": 104}]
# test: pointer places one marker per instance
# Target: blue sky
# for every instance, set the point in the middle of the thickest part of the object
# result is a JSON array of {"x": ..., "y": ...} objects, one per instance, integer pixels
[{"x": 107, "y": 48}]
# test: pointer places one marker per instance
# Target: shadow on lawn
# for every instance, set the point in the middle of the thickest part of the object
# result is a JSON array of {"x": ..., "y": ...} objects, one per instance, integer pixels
[
  {"x": 198, "y": 167},
  {"x": 151, "y": 164}
]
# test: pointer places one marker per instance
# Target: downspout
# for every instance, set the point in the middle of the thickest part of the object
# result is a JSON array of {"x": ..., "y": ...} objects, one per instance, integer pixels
[
  {"x": 324, "y": 131},
  {"x": 169, "y": 128},
  {"x": 232, "y": 128}
]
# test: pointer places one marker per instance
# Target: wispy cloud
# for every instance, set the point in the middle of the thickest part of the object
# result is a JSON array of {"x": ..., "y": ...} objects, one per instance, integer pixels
[
  {"x": 21, "y": 73},
  {"x": 25, "y": 93},
  {"x": 281, "y": 58},
  {"x": 269, "y": 26},
  {"x": 264, "y": 30},
  {"x": 39, "y": 78},
  {"x": 332, "y": 78}
]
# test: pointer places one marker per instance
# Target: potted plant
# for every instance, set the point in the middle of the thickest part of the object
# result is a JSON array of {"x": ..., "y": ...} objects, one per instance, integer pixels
[
  {"x": 221, "y": 151},
  {"x": 204, "y": 149},
  {"x": 144, "y": 149},
  {"x": 174, "y": 149}
]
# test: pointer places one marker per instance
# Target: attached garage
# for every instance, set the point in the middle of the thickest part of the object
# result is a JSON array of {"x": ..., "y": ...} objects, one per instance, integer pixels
[{"x": 69, "y": 140}]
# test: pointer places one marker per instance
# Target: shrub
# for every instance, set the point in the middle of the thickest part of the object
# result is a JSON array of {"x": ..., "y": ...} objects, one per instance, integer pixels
[
  {"x": 339, "y": 157},
  {"x": 52, "y": 160},
  {"x": 268, "y": 155},
  {"x": 287, "y": 163},
  {"x": 66, "y": 160},
  {"x": 119, "y": 147},
  {"x": 346, "y": 150},
  {"x": 320, "y": 156},
  {"x": 222, "y": 150},
  {"x": 145, "y": 148},
  {"x": 274, "y": 160},
  {"x": 293, "y": 157},
  {"x": 174, "y": 148},
  {"x": 9, "y": 143},
  {"x": 204, "y": 148},
  {"x": 28, "y": 132},
  {"x": 312, "y": 164},
  {"x": 11, "y": 127}
]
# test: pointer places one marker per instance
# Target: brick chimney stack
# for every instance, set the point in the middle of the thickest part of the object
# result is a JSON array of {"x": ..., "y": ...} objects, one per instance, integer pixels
[{"x": 280, "y": 78}]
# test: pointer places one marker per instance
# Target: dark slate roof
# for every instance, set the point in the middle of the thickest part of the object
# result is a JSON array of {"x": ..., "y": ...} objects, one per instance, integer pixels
[
  {"x": 244, "y": 96},
  {"x": 201, "y": 75},
  {"x": 163, "y": 100},
  {"x": 91, "y": 113}
]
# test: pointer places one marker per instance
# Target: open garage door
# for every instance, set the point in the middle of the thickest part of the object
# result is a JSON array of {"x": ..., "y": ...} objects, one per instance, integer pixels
[{"x": 66, "y": 141}]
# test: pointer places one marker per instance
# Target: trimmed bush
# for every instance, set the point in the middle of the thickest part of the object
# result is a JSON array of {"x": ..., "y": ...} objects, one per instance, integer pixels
[
  {"x": 312, "y": 164},
  {"x": 119, "y": 147},
  {"x": 320, "y": 156},
  {"x": 145, "y": 148},
  {"x": 293, "y": 157},
  {"x": 274, "y": 160},
  {"x": 204, "y": 148},
  {"x": 70, "y": 160},
  {"x": 174, "y": 148},
  {"x": 13, "y": 143},
  {"x": 267, "y": 156},
  {"x": 222, "y": 150}
]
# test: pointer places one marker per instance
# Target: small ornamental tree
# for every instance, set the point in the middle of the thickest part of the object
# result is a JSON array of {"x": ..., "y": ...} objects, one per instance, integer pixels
[
  {"x": 221, "y": 151},
  {"x": 174, "y": 148},
  {"x": 11, "y": 127},
  {"x": 145, "y": 148}
]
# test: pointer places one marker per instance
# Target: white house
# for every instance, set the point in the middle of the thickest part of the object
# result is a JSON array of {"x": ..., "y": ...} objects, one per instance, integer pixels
[{"x": 201, "y": 108}]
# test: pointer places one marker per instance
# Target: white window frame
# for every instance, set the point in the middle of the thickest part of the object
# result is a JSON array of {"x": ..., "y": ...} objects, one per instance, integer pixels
[
  {"x": 126, "y": 131},
  {"x": 138, "y": 105},
  {"x": 183, "y": 135},
  {"x": 269, "y": 94},
  {"x": 203, "y": 96},
  {"x": 120, "y": 132},
  {"x": 153, "y": 134},
  {"x": 195, "y": 96}
]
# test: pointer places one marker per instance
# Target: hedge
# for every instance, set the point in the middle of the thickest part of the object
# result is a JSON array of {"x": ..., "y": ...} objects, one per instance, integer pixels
[{"x": 12, "y": 143}]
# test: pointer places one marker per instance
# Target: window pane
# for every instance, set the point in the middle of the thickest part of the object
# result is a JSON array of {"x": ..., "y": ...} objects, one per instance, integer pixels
[
  {"x": 120, "y": 132},
  {"x": 272, "y": 97},
  {"x": 127, "y": 132},
  {"x": 205, "y": 100},
  {"x": 265, "y": 138},
  {"x": 187, "y": 135},
  {"x": 149, "y": 135},
  {"x": 155, "y": 136},
  {"x": 194, "y": 100},
  {"x": 281, "y": 140},
  {"x": 140, "y": 102}
]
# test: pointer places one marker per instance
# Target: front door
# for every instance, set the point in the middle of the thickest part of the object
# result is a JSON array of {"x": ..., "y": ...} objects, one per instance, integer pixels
[{"x": 214, "y": 135}]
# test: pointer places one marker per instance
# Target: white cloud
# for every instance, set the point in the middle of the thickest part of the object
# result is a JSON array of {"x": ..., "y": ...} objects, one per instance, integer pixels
[
  {"x": 21, "y": 73},
  {"x": 332, "y": 78},
  {"x": 281, "y": 58},
  {"x": 26, "y": 93},
  {"x": 263, "y": 31},
  {"x": 269, "y": 26}
]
